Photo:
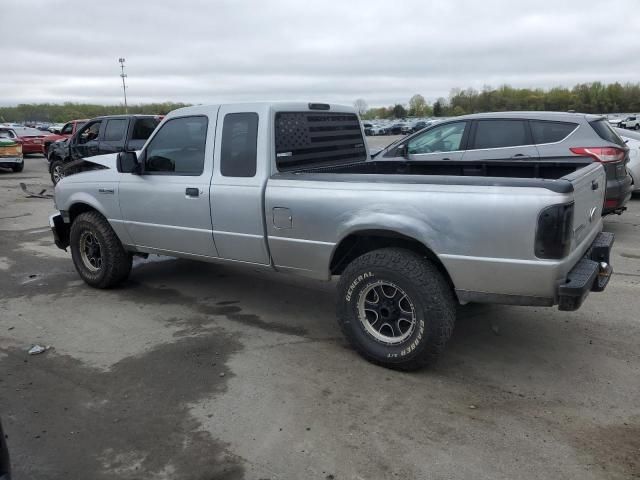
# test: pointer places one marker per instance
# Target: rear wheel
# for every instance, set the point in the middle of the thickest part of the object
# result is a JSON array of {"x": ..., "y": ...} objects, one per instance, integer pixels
[
  {"x": 396, "y": 308},
  {"x": 99, "y": 257}
]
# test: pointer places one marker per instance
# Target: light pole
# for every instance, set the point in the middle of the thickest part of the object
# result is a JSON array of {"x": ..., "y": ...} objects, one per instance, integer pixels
[{"x": 124, "y": 86}]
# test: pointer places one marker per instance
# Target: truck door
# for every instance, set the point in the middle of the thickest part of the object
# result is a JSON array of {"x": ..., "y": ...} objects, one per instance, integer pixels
[
  {"x": 85, "y": 142},
  {"x": 166, "y": 208},
  {"x": 237, "y": 188},
  {"x": 113, "y": 138}
]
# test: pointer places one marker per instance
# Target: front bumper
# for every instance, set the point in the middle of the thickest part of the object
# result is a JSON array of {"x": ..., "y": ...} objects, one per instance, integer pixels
[
  {"x": 60, "y": 231},
  {"x": 590, "y": 274}
]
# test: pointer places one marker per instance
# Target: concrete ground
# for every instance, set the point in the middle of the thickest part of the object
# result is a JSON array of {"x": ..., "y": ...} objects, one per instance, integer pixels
[{"x": 203, "y": 371}]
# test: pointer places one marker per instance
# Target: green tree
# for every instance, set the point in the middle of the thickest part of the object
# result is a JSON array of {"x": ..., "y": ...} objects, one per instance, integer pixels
[
  {"x": 417, "y": 106},
  {"x": 399, "y": 111}
]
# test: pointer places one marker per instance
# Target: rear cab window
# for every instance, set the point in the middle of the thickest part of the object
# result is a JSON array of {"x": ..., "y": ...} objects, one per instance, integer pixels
[
  {"x": 500, "y": 134},
  {"x": 317, "y": 139},
  {"x": 115, "y": 130},
  {"x": 605, "y": 132},
  {"x": 544, "y": 131},
  {"x": 239, "y": 147}
]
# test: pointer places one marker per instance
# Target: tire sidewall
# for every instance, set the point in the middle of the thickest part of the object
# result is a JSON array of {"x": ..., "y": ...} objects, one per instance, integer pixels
[
  {"x": 53, "y": 166},
  {"x": 78, "y": 228},
  {"x": 400, "y": 353}
]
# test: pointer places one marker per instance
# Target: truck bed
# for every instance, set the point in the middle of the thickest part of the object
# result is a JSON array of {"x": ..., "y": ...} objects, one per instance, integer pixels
[
  {"x": 551, "y": 169},
  {"x": 550, "y": 173}
]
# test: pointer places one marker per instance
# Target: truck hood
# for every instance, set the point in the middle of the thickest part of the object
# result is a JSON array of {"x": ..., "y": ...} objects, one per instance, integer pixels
[{"x": 109, "y": 160}]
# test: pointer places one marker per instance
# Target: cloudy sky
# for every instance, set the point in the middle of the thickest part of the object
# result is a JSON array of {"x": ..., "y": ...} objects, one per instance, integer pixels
[{"x": 201, "y": 51}]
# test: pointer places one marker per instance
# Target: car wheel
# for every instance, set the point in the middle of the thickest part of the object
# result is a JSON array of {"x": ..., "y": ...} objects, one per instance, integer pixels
[
  {"x": 57, "y": 171},
  {"x": 18, "y": 167},
  {"x": 97, "y": 253},
  {"x": 395, "y": 308},
  {"x": 637, "y": 127}
]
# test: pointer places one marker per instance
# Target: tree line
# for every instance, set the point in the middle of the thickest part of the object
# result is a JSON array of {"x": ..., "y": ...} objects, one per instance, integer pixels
[
  {"x": 593, "y": 97},
  {"x": 60, "y": 113}
]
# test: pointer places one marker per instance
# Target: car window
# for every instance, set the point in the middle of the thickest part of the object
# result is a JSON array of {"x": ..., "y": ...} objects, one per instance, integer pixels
[
  {"x": 144, "y": 127},
  {"x": 605, "y": 132},
  {"x": 115, "y": 129},
  {"x": 550, "y": 132},
  {"x": 67, "y": 129},
  {"x": 178, "y": 147},
  {"x": 7, "y": 134},
  {"x": 501, "y": 133},
  {"x": 239, "y": 145},
  {"x": 88, "y": 133},
  {"x": 443, "y": 138}
]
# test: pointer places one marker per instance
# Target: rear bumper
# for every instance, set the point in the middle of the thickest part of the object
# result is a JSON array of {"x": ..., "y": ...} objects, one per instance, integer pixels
[
  {"x": 617, "y": 195},
  {"x": 60, "y": 231},
  {"x": 590, "y": 274},
  {"x": 8, "y": 162}
]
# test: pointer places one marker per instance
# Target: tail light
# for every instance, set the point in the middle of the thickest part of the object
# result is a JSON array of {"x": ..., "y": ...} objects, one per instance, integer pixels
[
  {"x": 555, "y": 231},
  {"x": 601, "y": 154}
]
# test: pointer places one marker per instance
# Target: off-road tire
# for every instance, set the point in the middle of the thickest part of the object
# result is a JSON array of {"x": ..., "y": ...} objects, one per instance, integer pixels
[
  {"x": 18, "y": 167},
  {"x": 428, "y": 291},
  {"x": 116, "y": 261}
]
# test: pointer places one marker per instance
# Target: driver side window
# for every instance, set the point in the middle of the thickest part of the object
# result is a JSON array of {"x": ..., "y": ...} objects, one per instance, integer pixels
[
  {"x": 443, "y": 138},
  {"x": 88, "y": 133},
  {"x": 67, "y": 129},
  {"x": 178, "y": 147}
]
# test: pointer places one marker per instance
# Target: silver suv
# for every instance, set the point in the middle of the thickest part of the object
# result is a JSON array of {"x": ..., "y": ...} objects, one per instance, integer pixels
[{"x": 516, "y": 138}]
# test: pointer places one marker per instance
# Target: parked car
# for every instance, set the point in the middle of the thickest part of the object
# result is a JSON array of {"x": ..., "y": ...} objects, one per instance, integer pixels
[
  {"x": 30, "y": 138},
  {"x": 616, "y": 121},
  {"x": 257, "y": 183},
  {"x": 632, "y": 140},
  {"x": 521, "y": 138},
  {"x": 66, "y": 131},
  {"x": 10, "y": 150},
  {"x": 631, "y": 122},
  {"x": 395, "y": 129},
  {"x": 98, "y": 136},
  {"x": 56, "y": 127},
  {"x": 419, "y": 125}
]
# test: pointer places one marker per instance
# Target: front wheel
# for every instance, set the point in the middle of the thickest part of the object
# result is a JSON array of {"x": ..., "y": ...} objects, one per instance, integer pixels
[
  {"x": 18, "y": 167},
  {"x": 396, "y": 308},
  {"x": 637, "y": 127},
  {"x": 99, "y": 257},
  {"x": 57, "y": 171}
]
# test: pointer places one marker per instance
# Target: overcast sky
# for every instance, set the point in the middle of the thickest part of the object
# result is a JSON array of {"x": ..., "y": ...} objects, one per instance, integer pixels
[{"x": 200, "y": 51}]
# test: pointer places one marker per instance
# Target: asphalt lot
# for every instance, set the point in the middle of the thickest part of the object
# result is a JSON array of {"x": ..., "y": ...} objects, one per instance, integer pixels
[{"x": 203, "y": 371}]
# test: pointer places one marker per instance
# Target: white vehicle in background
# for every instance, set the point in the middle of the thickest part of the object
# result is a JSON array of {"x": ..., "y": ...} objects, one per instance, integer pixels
[
  {"x": 633, "y": 167},
  {"x": 632, "y": 122}
]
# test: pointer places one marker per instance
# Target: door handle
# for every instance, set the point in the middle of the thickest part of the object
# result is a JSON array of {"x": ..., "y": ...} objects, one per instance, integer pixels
[
  {"x": 192, "y": 192},
  {"x": 520, "y": 156}
]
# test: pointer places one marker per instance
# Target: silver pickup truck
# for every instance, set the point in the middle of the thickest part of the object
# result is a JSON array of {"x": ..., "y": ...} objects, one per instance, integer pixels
[{"x": 291, "y": 187}]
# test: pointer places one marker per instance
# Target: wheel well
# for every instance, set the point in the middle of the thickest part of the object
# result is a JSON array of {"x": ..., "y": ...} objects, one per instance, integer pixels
[
  {"x": 78, "y": 208},
  {"x": 359, "y": 243}
]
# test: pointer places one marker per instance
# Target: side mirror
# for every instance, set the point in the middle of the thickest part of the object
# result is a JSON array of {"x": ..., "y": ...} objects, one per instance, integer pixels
[{"x": 128, "y": 163}]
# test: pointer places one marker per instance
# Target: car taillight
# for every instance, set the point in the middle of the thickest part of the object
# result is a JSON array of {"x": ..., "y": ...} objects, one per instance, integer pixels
[
  {"x": 601, "y": 154},
  {"x": 555, "y": 231}
]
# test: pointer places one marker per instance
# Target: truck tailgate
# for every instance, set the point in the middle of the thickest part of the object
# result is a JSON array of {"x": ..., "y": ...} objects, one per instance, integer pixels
[{"x": 589, "y": 184}]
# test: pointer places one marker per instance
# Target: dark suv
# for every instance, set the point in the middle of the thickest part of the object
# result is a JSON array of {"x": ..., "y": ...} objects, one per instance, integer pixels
[
  {"x": 521, "y": 136},
  {"x": 99, "y": 136}
]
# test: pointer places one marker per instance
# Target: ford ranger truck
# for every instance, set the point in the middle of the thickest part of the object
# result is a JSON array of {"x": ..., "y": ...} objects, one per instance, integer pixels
[{"x": 291, "y": 187}]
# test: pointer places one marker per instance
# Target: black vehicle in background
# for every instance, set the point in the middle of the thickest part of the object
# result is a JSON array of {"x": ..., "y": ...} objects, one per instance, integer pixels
[{"x": 99, "y": 136}]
